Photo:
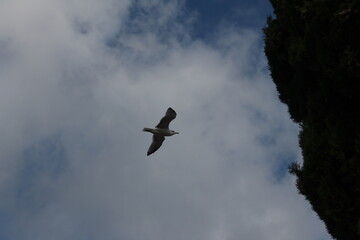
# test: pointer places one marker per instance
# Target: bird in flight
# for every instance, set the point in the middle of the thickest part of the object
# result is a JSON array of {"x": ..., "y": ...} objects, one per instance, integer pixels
[{"x": 161, "y": 131}]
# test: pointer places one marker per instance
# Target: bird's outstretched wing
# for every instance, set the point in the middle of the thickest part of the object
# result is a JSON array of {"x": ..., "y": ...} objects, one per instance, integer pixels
[
  {"x": 169, "y": 116},
  {"x": 156, "y": 143}
]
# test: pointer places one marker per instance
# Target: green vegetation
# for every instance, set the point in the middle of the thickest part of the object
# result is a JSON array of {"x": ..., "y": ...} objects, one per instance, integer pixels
[{"x": 313, "y": 48}]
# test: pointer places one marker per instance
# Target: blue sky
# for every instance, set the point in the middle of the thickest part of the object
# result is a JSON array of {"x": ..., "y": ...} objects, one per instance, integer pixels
[
  {"x": 244, "y": 14},
  {"x": 81, "y": 79}
]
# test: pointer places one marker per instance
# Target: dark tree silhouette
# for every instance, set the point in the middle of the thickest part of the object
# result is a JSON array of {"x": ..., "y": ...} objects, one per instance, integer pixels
[{"x": 313, "y": 49}]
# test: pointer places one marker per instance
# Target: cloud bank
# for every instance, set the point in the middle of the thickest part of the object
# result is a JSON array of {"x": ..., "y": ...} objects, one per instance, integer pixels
[{"x": 80, "y": 79}]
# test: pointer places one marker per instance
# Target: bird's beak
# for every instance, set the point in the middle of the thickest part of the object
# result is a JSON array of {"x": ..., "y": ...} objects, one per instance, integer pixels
[{"x": 176, "y": 132}]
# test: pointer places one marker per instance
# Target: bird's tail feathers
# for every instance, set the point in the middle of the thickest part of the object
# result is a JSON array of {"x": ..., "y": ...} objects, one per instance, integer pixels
[{"x": 147, "y": 130}]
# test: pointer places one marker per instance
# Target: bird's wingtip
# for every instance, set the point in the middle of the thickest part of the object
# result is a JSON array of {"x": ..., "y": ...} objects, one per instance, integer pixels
[{"x": 170, "y": 109}]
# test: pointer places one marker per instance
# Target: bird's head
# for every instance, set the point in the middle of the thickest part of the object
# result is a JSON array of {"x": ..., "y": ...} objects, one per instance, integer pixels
[{"x": 173, "y": 132}]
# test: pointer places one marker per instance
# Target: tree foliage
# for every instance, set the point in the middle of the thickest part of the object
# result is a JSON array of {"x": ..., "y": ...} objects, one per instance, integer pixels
[{"x": 313, "y": 48}]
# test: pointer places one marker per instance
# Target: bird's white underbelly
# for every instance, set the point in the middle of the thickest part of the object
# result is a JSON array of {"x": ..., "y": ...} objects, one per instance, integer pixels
[
  {"x": 161, "y": 131},
  {"x": 164, "y": 132}
]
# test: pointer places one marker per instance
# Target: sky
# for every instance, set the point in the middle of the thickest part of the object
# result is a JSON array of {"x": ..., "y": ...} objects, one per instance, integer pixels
[{"x": 81, "y": 79}]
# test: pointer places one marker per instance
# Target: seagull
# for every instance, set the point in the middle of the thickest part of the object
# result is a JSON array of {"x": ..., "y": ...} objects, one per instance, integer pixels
[{"x": 161, "y": 131}]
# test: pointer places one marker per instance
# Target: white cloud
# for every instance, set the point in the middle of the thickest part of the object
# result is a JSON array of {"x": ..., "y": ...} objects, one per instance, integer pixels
[{"x": 77, "y": 104}]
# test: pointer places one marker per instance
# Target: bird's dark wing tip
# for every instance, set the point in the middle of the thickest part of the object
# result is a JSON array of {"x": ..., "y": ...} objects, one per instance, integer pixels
[{"x": 170, "y": 109}]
